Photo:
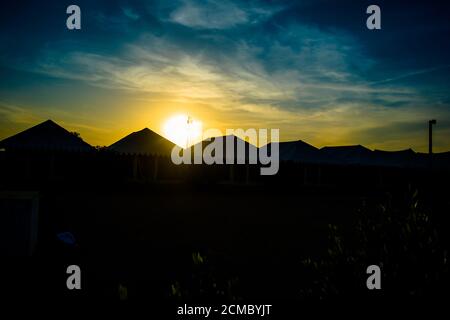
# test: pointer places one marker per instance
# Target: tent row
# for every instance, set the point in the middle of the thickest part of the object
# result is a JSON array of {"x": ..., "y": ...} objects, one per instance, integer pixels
[{"x": 49, "y": 135}]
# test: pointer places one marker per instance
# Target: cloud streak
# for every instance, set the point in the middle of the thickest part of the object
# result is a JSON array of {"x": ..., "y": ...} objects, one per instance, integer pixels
[{"x": 244, "y": 64}]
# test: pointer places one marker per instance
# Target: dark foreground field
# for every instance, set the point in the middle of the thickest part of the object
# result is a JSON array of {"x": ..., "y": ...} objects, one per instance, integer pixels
[{"x": 294, "y": 237}]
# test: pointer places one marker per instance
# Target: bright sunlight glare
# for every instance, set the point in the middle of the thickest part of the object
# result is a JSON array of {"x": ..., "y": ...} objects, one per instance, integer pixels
[{"x": 183, "y": 130}]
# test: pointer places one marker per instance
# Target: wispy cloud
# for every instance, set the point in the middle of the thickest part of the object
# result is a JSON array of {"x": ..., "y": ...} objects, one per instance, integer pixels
[
  {"x": 411, "y": 74},
  {"x": 217, "y": 14},
  {"x": 244, "y": 63},
  {"x": 17, "y": 114},
  {"x": 304, "y": 82}
]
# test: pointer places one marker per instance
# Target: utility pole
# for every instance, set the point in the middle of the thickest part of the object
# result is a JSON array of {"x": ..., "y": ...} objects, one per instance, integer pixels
[
  {"x": 430, "y": 142},
  {"x": 430, "y": 136},
  {"x": 430, "y": 161}
]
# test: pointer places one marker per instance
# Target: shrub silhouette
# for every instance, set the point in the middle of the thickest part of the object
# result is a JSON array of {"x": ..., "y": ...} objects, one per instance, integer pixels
[
  {"x": 400, "y": 238},
  {"x": 203, "y": 281}
]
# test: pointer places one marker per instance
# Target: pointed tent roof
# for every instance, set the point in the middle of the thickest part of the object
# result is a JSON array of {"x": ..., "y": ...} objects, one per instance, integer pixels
[
  {"x": 401, "y": 158},
  {"x": 298, "y": 151},
  {"x": 236, "y": 142},
  {"x": 144, "y": 141},
  {"x": 47, "y": 135},
  {"x": 356, "y": 154}
]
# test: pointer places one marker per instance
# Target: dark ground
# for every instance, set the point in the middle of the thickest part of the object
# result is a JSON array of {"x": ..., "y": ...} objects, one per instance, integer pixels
[{"x": 177, "y": 242}]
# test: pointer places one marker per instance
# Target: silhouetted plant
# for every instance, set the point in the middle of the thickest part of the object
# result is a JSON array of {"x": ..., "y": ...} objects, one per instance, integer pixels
[
  {"x": 204, "y": 282},
  {"x": 401, "y": 239}
]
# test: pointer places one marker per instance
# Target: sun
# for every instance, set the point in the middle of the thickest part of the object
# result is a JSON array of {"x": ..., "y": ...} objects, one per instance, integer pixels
[{"x": 183, "y": 130}]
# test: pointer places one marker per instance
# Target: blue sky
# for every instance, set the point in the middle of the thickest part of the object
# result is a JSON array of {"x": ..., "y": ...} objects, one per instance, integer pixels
[{"x": 310, "y": 68}]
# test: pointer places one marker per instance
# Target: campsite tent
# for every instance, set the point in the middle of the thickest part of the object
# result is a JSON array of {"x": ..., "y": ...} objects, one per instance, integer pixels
[
  {"x": 239, "y": 153},
  {"x": 144, "y": 141},
  {"x": 47, "y": 135},
  {"x": 346, "y": 155},
  {"x": 297, "y": 151}
]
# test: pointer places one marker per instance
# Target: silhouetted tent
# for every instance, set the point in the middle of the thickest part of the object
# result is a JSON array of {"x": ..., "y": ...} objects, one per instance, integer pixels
[
  {"x": 297, "y": 151},
  {"x": 403, "y": 158},
  {"x": 241, "y": 150},
  {"x": 143, "y": 142},
  {"x": 47, "y": 135},
  {"x": 347, "y": 155},
  {"x": 442, "y": 160}
]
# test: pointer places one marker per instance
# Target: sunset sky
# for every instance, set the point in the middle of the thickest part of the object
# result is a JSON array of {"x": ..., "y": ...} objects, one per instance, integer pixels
[{"x": 310, "y": 68}]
